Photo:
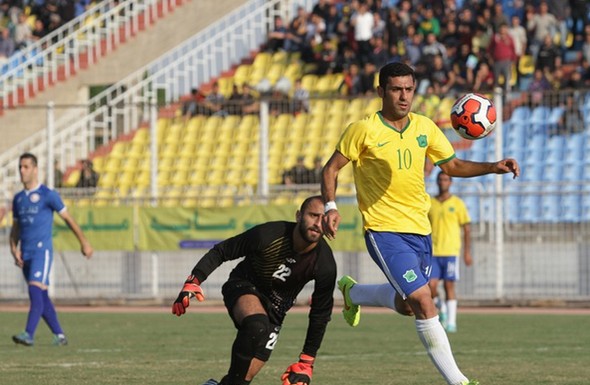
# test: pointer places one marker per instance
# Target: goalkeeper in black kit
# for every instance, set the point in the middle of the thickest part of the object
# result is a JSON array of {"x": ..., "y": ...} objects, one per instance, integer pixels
[{"x": 279, "y": 259}]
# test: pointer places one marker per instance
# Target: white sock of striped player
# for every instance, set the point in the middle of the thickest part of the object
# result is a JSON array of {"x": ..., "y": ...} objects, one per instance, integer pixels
[
  {"x": 436, "y": 342},
  {"x": 373, "y": 295},
  {"x": 452, "y": 312}
]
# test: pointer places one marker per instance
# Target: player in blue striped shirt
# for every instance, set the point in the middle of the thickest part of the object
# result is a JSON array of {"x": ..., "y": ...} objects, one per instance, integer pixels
[{"x": 32, "y": 248}]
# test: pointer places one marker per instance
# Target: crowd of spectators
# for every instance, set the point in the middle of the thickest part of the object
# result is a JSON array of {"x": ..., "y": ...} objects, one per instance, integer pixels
[
  {"x": 454, "y": 45},
  {"x": 23, "y": 22}
]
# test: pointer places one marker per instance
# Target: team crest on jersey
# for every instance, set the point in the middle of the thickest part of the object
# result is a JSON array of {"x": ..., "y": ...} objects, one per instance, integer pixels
[
  {"x": 290, "y": 260},
  {"x": 410, "y": 276},
  {"x": 422, "y": 141},
  {"x": 34, "y": 197}
]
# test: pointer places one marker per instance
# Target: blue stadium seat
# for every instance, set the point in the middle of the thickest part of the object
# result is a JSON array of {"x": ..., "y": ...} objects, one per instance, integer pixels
[
  {"x": 472, "y": 203},
  {"x": 571, "y": 208},
  {"x": 531, "y": 171},
  {"x": 554, "y": 148},
  {"x": 555, "y": 118},
  {"x": 585, "y": 208},
  {"x": 550, "y": 208},
  {"x": 572, "y": 171},
  {"x": 552, "y": 171},
  {"x": 574, "y": 148},
  {"x": 529, "y": 209},
  {"x": 538, "y": 120},
  {"x": 520, "y": 116},
  {"x": 512, "y": 208},
  {"x": 514, "y": 136}
]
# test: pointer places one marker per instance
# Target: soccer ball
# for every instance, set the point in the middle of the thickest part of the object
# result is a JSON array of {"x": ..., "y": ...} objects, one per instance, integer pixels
[{"x": 473, "y": 116}]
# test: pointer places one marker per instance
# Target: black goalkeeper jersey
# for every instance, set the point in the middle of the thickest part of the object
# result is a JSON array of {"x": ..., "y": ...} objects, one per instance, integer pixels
[{"x": 279, "y": 272}]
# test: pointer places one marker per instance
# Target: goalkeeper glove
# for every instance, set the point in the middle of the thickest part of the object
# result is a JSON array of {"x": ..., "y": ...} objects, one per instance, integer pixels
[
  {"x": 299, "y": 373},
  {"x": 190, "y": 289}
]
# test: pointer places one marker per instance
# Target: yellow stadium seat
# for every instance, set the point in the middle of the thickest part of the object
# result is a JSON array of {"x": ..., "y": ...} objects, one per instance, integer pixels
[
  {"x": 526, "y": 65},
  {"x": 126, "y": 179},
  {"x": 108, "y": 179},
  {"x": 281, "y": 57},
  {"x": 72, "y": 178},
  {"x": 171, "y": 197},
  {"x": 119, "y": 150},
  {"x": 293, "y": 71},
  {"x": 169, "y": 150},
  {"x": 372, "y": 106},
  {"x": 337, "y": 107},
  {"x": 163, "y": 178},
  {"x": 143, "y": 178},
  {"x": 210, "y": 125},
  {"x": 242, "y": 74},
  {"x": 275, "y": 72},
  {"x": 197, "y": 178},
  {"x": 165, "y": 164},
  {"x": 226, "y": 85},
  {"x": 129, "y": 165},
  {"x": 112, "y": 164},
  {"x": 141, "y": 136},
  {"x": 308, "y": 82},
  {"x": 319, "y": 106},
  {"x": 98, "y": 163},
  {"x": 179, "y": 178},
  {"x": 262, "y": 60}
]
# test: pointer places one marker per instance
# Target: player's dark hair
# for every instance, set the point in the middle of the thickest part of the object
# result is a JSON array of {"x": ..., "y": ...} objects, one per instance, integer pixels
[
  {"x": 28, "y": 155},
  {"x": 393, "y": 70},
  {"x": 308, "y": 201}
]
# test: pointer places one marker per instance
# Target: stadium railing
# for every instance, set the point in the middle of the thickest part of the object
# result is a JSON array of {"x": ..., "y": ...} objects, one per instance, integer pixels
[{"x": 74, "y": 46}]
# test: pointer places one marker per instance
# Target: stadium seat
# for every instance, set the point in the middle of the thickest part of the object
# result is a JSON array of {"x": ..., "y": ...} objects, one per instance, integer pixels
[
  {"x": 308, "y": 82},
  {"x": 242, "y": 74},
  {"x": 571, "y": 208},
  {"x": 526, "y": 65},
  {"x": 472, "y": 203},
  {"x": 538, "y": 121},
  {"x": 550, "y": 208},
  {"x": 72, "y": 178},
  {"x": 372, "y": 106}
]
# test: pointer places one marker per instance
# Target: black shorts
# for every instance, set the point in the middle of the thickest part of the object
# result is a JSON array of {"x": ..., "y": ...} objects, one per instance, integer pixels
[{"x": 234, "y": 289}]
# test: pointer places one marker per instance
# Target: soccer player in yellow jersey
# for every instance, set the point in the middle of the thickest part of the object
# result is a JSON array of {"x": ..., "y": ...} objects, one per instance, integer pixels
[
  {"x": 449, "y": 217},
  {"x": 388, "y": 150}
]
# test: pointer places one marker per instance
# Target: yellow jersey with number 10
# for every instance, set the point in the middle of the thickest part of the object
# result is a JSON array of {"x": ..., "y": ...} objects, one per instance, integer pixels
[{"x": 388, "y": 169}]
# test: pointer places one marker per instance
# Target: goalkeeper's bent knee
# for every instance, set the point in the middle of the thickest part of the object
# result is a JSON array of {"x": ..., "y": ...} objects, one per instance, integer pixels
[{"x": 256, "y": 327}]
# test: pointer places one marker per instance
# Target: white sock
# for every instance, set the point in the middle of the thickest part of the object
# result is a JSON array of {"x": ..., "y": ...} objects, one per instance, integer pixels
[
  {"x": 443, "y": 307},
  {"x": 437, "y": 345},
  {"x": 452, "y": 312},
  {"x": 373, "y": 295}
]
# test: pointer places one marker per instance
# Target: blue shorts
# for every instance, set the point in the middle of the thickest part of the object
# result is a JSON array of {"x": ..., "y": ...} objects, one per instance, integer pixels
[
  {"x": 445, "y": 268},
  {"x": 37, "y": 265},
  {"x": 403, "y": 258}
]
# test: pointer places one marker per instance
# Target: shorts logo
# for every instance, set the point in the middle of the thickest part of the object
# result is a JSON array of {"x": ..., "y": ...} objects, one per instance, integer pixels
[
  {"x": 37, "y": 274},
  {"x": 410, "y": 276}
]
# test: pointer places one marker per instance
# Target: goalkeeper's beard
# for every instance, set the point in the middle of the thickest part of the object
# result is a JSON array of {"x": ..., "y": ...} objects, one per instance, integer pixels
[{"x": 310, "y": 234}]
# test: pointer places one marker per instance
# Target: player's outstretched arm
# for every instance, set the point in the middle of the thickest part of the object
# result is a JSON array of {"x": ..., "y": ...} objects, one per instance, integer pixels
[
  {"x": 466, "y": 168},
  {"x": 300, "y": 372},
  {"x": 191, "y": 288}
]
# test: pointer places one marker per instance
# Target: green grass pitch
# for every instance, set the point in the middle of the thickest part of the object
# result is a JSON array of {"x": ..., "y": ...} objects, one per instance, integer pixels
[{"x": 159, "y": 348}]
